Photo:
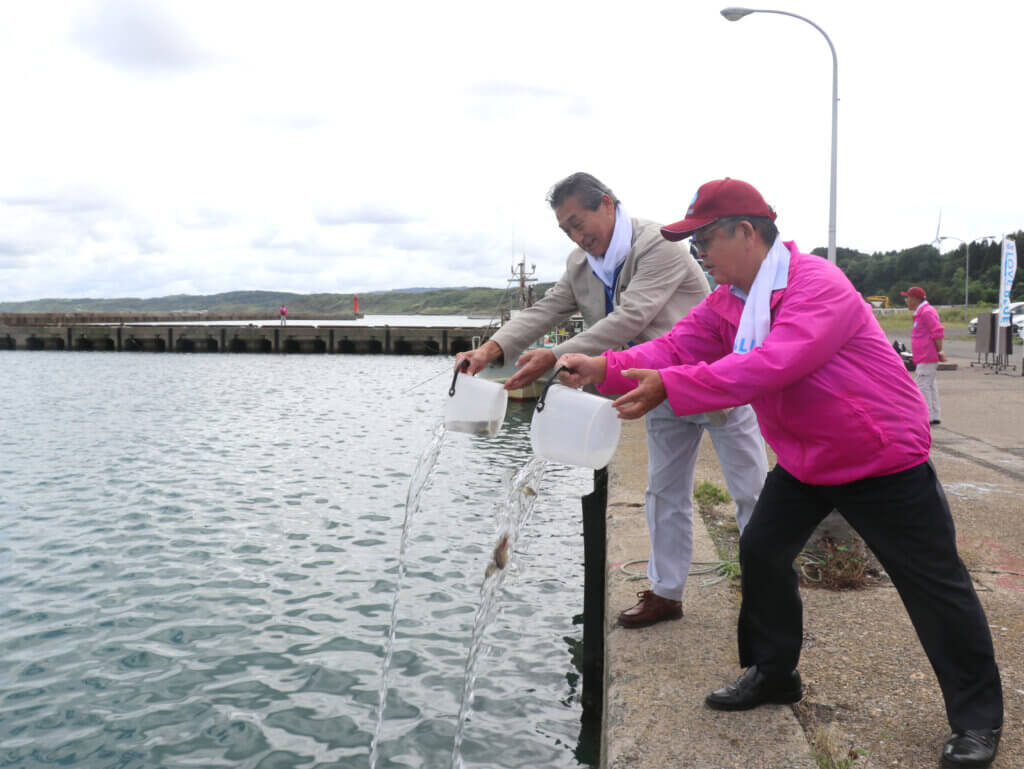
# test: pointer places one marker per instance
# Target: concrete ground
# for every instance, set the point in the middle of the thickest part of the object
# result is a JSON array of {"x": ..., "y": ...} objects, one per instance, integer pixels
[{"x": 869, "y": 690}]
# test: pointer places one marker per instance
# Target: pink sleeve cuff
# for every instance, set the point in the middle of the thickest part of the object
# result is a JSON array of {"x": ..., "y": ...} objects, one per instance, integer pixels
[{"x": 614, "y": 383}]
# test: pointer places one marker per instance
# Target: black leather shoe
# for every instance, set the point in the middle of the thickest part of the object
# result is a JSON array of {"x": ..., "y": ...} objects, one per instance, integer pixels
[
  {"x": 973, "y": 747},
  {"x": 754, "y": 688}
]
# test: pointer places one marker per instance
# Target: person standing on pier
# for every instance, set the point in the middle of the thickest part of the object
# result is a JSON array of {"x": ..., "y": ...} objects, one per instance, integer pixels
[
  {"x": 926, "y": 347},
  {"x": 283, "y": 313},
  {"x": 631, "y": 286},
  {"x": 788, "y": 333}
]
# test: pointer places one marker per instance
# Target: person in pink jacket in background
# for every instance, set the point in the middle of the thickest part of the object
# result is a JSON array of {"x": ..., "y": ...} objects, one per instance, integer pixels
[
  {"x": 926, "y": 347},
  {"x": 788, "y": 333}
]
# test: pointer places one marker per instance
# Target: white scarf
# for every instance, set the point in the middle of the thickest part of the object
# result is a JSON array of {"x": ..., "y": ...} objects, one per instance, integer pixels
[
  {"x": 618, "y": 249},
  {"x": 755, "y": 322}
]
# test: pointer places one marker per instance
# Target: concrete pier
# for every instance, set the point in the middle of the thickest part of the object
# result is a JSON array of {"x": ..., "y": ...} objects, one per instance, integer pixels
[{"x": 339, "y": 335}]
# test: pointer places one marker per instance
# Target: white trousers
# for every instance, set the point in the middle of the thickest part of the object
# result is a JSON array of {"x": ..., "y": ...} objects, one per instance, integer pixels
[
  {"x": 924, "y": 375},
  {"x": 672, "y": 447}
]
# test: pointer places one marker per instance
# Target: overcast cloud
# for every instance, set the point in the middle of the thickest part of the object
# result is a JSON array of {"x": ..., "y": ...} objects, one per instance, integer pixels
[
  {"x": 201, "y": 146},
  {"x": 139, "y": 37}
]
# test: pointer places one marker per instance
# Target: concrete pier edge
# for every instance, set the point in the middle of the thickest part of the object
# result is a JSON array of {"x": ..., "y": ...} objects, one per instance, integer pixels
[
  {"x": 136, "y": 333},
  {"x": 656, "y": 678}
]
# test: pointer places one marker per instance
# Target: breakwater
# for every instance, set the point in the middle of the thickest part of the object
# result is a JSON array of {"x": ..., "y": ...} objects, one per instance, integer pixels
[{"x": 207, "y": 333}]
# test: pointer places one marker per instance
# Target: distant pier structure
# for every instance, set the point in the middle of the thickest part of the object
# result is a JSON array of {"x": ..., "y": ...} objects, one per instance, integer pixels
[{"x": 346, "y": 334}]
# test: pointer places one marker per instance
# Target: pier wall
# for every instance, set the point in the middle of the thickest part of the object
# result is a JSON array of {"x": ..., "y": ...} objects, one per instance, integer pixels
[
  {"x": 239, "y": 338},
  {"x": 181, "y": 316}
]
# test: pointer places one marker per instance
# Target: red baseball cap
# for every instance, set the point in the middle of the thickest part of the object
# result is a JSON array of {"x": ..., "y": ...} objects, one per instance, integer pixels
[
  {"x": 722, "y": 197},
  {"x": 915, "y": 291}
]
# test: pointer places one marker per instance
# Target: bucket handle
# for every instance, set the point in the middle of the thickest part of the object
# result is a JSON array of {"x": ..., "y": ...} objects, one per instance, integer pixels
[
  {"x": 551, "y": 381},
  {"x": 462, "y": 366}
]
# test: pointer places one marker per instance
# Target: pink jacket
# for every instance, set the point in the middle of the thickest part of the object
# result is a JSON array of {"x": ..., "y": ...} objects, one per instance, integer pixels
[
  {"x": 833, "y": 399},
  {"x": 927, "y": 327}
]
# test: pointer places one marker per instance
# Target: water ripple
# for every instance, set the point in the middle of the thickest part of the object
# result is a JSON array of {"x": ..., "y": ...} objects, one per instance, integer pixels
[{"x": 198, "y": 556}]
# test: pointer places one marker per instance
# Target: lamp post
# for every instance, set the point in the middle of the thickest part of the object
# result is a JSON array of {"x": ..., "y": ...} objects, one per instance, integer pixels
[
  {"x": 967, "y": 262},
  {"x": 735, "y": 14}
]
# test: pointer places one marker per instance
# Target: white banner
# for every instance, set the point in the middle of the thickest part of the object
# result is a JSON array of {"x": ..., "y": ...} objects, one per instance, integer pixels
[{"x": 1008, "y": 269}]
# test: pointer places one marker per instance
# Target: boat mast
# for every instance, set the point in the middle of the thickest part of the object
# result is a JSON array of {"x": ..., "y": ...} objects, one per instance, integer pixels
[{"x": 525, "y": 282}]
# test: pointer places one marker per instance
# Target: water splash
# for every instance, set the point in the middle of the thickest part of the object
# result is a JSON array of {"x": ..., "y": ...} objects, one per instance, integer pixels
[
  {"x": 513, "y": 513},
  {"x": 417, "y": 483}
]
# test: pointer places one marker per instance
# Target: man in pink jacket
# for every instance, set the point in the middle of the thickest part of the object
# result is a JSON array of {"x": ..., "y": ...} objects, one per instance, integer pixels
[
  {"x": 926, "y": 347},
  {"x": 788, "y": 333}
]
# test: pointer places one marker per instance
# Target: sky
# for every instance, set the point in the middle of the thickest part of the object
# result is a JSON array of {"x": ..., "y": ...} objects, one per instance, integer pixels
[{"x": 161, "y": 147}]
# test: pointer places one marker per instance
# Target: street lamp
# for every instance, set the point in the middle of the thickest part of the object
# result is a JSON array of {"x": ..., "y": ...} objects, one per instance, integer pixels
[
  {"x": 967, "y": 261},
  {"x": 735, "y": 14}
]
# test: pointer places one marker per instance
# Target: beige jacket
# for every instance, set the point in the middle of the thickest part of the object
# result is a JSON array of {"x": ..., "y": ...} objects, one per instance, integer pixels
[{"x": 659, "y": 284}]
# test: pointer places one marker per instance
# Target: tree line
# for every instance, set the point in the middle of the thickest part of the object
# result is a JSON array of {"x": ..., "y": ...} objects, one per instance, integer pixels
[
  {"x": 940, "y": 275},
  {"x": 878, "y": 274}
]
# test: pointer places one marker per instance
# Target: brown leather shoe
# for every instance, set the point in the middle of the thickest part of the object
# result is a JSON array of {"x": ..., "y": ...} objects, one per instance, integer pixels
[{"x": 649, "y": 609}]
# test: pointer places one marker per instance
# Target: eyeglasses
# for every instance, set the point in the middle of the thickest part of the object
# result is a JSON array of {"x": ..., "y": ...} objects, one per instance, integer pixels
[{"x": 699, "y": 244}]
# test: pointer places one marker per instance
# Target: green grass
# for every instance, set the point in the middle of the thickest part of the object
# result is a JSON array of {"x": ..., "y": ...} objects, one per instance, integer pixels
[
  {"x": 707, "y": 495},
  {"x": 709, "y": 500},
  {"x": 828, "y": 753},
  {"x": 951, "y": 317}
]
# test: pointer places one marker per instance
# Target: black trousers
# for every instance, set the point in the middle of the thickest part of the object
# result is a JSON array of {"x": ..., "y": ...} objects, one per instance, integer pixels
[{"x": 905, "y": 520}]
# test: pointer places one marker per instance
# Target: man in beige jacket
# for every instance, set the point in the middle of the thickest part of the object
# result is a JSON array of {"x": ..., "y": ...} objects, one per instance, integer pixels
[{"x": 631, "y": 285}]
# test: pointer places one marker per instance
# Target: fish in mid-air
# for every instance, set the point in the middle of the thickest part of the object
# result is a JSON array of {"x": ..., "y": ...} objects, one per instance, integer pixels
[{"x": 499, "y": 560}]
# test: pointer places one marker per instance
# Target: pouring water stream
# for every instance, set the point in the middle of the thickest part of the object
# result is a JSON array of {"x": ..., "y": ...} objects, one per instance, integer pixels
[
  {"x": 513, "y": 514},
  {"x": 417, "y": 483}
]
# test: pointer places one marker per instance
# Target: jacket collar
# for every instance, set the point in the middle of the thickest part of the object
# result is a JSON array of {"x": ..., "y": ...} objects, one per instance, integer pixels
[{"x": 730, "y": 307}]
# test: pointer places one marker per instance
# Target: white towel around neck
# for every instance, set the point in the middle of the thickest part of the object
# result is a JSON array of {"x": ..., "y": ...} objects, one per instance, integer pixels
[
  {"x": 756, "y": 320},
  {"x": 618, "y": 249}
]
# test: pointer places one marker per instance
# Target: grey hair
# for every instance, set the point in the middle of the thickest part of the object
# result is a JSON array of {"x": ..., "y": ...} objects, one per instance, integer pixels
[
  {"x": 763, "y": 226},
  {"x": 587, "y": 189}
]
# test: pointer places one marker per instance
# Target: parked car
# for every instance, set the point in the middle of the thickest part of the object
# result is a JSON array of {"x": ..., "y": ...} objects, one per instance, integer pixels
[{"x": 1016, "y": 314}]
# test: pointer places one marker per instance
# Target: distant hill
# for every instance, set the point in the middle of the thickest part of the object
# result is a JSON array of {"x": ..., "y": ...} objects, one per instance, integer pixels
[
  {"x": 406, "y": 301},
  {"x": 414, "y": 290},
  {"x": 877, "y": 274}
]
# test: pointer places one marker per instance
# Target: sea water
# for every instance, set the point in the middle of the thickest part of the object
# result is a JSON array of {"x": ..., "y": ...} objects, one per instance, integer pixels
[{"x": 198, "y": 555}]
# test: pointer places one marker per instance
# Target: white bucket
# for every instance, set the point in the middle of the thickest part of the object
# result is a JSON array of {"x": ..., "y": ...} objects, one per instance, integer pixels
[
  {"x": 475, "y": 405},
  {"x": 575, "y": 428}
]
